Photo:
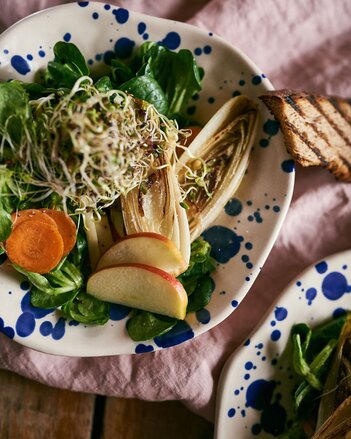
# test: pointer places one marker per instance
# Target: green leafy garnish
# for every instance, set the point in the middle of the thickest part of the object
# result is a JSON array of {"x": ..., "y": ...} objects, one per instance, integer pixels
[
  {"x": 87, "y": 309},
  {"x": 144, "y": 325}
]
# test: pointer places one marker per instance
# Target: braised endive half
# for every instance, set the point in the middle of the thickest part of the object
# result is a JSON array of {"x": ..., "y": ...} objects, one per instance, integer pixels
[
  {"x": 212, "y": 167},
  {"x": 181, "y": 197}
]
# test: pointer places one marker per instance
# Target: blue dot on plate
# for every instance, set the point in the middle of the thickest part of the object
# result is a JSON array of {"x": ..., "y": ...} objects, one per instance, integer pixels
[
  {"x": 8, "y": 331},
  {"x": 172, "y": 40},
  {"x": 95, "y": 15},
  {"x": 118, "y": 312},
  {"x": 339, "y": 312},
  {"x": 256, "y": 429},
  {"x": 198, "y": 51},
  {"x": 224, "y": 241},
  {"x": 248, "y": 246},
  {"x": 321, "y": 267},
  {"x": 107, "y": 7},
  {"x": 256, "y": 80},
  {"x": 25, "y": 285},
  {"x": 20, "y": 64},
  {"x": 259, "y": 394},
  {"x": 41, "y": 53},
  {"x": 178, "y": 334},
  {"x": 271, "y": 127},
  {"x": 241, "y": 82},
  {"x": 203, "y": 316},
  {"x": 311, "y": 293},
  {"x": 264, "y": 143},
  {"x": 275, "y": 336},
  {"x": 25, "y": 324},
  {"x": 122, "y": 15},
  {"x": 334, "y": 285},
  {"x": 235, "y": 303},
  {"x": 191, "y": 110},
  {"x": 231, "y": 412},
  {"x": 67, "y": 37},
  {"x": 141, "y": 28},
  {"x": 83, "y": 4},
  {"x": 124, "y": 47},
  {"x": 45, "y": 328},
  {"x": 248, "y": 365},
  {"x": 233, "y": 207},
  {"x": 58, "y": 330},
  {"x": 143, "y": 348},
  {"x": 29, "y": 57},
  {"x": 280, "y": 313},
  {"x": 288, "y": 166},
  {"x": 207, "y": 49}
]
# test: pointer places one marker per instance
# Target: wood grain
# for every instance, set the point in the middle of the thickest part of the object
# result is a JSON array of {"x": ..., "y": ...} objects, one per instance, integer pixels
[
  {"x": 131, "y": 419},
  {"x": 31, "y": 410}
]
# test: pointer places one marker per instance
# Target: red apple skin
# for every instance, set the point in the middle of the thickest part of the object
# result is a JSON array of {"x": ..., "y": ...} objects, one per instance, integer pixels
[
  {"x": 182, "y": 265},
  {"x": 145, "y": 235},
  {"x": 178, "y": 287}
]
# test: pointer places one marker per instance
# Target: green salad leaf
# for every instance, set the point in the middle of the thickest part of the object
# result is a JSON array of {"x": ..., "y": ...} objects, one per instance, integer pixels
[
  {"x": 144, "y": 325},
  {"x": 177, "y": 73},
  {"x": 148, "y": 89},
  {"x": 86, "y": 309},
  {"x": 67, "y": 67},
  {"x": 43, "y": 300},
  {"x": 14, "y": 110},
  {"x": 311, "y": 357}
]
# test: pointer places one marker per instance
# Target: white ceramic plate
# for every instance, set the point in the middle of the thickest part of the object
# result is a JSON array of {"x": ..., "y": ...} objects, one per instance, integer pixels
[
  {"x": 256, "y": 384},
  {"x": 243, "y": 234}
]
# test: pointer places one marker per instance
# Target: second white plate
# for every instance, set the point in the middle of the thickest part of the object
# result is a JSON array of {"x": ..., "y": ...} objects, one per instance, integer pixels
[{"x": 256, "y": 384}]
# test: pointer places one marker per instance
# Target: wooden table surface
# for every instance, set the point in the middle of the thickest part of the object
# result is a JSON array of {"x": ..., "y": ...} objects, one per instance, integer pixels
[{"x": 29, "y": 410}]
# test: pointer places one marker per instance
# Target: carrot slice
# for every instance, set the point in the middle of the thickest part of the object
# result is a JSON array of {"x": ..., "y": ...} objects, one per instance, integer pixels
[
  {"x": 66, "y": 227},
  {"x": 35, "y": 246},
  {"x": 24, "y": 215}
]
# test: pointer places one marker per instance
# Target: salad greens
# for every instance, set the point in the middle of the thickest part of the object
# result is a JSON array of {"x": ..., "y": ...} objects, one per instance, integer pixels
[
  {"x": 311, "y": 358},
  {"x": 41, "y": 131}
]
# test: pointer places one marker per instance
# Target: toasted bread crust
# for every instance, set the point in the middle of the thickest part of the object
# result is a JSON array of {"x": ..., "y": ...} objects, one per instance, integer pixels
[{"x": 316, "y": 129}]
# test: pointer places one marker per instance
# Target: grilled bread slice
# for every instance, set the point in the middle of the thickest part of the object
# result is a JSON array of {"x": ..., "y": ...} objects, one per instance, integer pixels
[{"x": 316, "y": 129}]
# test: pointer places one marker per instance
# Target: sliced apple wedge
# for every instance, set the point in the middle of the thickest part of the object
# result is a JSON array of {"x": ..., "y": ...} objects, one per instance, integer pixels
[
  {"x": 145, "y": 248},
  {"x": 140, "y": 286}
]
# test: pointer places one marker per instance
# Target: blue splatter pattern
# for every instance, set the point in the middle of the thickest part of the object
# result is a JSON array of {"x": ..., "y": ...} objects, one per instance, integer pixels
[{"x": 267, "y": 381}]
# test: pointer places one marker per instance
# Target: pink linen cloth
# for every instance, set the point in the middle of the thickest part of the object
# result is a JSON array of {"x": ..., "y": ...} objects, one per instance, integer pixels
[{"x": 299, "y": 45}]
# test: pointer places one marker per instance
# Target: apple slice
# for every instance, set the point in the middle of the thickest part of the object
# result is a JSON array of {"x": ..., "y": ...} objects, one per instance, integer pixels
[
  {"x": 145, "y": 248},
  {"x": 140, "y": 286}
]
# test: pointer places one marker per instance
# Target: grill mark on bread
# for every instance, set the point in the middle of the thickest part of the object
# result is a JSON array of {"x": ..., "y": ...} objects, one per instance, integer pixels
[
  {"x": 337, "y": 107},
  {"x": 316, "y": 105},
  {"x": 309, "y": 136},
  {"x": 305, "y": 140},
  {"x": 289, "y": 100}
]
